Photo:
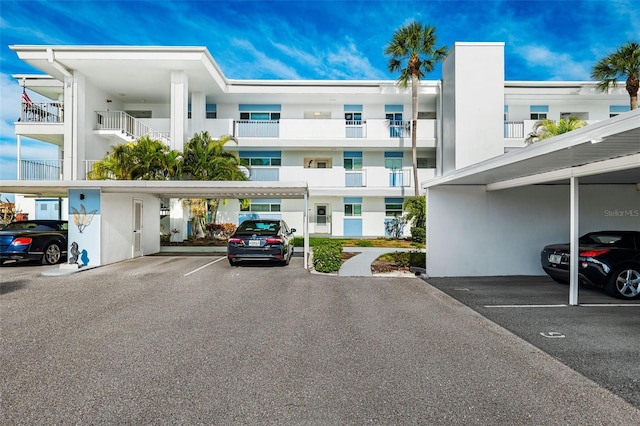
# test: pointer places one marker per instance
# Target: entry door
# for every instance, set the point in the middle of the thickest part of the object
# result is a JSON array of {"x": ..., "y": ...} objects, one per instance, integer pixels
[
  {"x": 137, "y": 228},
  {"x": 322, "y": 219}
]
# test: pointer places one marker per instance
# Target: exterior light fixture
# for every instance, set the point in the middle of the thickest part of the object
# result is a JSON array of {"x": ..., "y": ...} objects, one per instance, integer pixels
[{"x": 597, "y": 140}]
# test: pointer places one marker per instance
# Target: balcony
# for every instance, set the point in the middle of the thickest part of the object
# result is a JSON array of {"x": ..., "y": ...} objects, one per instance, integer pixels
[
  {"x": 42, "y": 112},
  {"x": 40, "y": 170},
  {"x": 128, "y": 128}
]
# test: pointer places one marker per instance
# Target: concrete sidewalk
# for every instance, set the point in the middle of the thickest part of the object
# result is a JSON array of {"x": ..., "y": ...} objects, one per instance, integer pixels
[{"x": 360, "y": 264}]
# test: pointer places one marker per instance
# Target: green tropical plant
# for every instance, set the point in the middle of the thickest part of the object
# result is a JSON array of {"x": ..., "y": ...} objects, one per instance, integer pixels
[
  {"x": 142, "y": 159},
  {"x": 416, "y": 213},
  {"x": 413, "y": 53},
  {"x": 623, "y": 63},
  {"x": 546, "y": 129}
]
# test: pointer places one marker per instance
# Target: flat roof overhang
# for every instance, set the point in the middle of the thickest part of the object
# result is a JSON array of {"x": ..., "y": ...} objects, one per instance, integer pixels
[
  {"x": 163, "y": 189},
  {"x": 607, "y": 152}
]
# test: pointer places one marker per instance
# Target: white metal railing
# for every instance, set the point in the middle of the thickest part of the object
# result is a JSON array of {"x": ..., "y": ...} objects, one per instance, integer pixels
[
  {"x": 514, "y": 129},
  {"x": 257, "y": 128},
  {"x": 42, "y": 112},
  {"x": 268, "y": 174},
  {"x": 400, "y": 178},
  {"x": 355, "y": 178},
  {"x": 399, "y": 128},
  {"x": 40, "y": 170},
  {"x": 130, "y": 126},
  {"x": 354, "y": 129}
]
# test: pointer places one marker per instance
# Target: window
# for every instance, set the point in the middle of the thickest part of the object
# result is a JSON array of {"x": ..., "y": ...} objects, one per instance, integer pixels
[
  {"x": 353, "y": 206},
  {"x": 426, "y": 163},
  {"x": 618, "y": 109},
  {"x": 506, "y": 113},
  {"x": 393, "y": 207},
  {"x": 393, "y": 113},
  {"x": 538, "y": 112},
  {"x": 352, "y": 160},
  {"x": 258, "y": 112},
  {"x": 262, "y": 205},
  {"x": 260, "y": 158},
  {"x": 393, "y": 160},
  {"x": 211, "y": 111}
]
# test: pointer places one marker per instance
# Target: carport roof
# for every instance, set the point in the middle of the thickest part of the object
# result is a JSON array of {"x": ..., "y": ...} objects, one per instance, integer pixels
[
  {"x": 607, "y": 152},
  {"x": 164, "y": 189}
]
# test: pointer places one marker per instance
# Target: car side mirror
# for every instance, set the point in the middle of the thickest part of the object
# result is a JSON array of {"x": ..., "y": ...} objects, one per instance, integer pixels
[{"x": 292, "y": 230}]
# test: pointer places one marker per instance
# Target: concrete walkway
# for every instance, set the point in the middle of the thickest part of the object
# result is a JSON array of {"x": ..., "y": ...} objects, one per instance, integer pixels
[{"x": 360, "y": 265}]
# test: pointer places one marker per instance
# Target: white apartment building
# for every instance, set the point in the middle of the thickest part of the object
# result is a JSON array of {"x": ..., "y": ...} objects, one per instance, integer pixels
[{"x": 333, "y": 158}]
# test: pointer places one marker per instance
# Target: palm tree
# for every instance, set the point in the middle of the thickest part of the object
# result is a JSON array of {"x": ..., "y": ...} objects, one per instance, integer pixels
[
  {"x": 413, "y": 54},
  {"x": 205, "y": 158},
  {"x": 624, "y": 62},
  {"x": 546, "y": 129},
  {"x": 143, "y": 159}
]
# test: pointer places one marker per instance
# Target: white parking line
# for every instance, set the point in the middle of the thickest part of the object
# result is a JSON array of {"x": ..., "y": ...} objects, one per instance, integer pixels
[
  {"x": 204, "y": 266},
  {"x": 589, "y": 305}
]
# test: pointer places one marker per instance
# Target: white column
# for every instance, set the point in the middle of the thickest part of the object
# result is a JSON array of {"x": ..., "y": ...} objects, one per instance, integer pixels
[
  {"x": 575, "y": 249},
  {"x": 71, "y": 114},
  {"x": 198, "y": 113},
  {"x": 179, "y": 103},
  {"x": 18, "y": 157}
]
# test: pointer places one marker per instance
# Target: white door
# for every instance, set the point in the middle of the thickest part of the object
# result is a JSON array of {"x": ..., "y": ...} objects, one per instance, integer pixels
[
  {"x": 137, "y": 227},
  {"x": 323, "y": 220}
]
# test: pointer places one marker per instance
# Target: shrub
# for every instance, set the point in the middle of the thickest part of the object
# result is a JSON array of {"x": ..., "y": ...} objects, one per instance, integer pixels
[
  {"x": 418, "y": 234},
  {"x": 418, "y": 258},
  {"x": 220, "y": 230},
  {"x": 401, "y": 258},
  {"x": 395, "y": 226},
  {"x": 364, "y": 243},
  {"x": 327, "y": 256}
]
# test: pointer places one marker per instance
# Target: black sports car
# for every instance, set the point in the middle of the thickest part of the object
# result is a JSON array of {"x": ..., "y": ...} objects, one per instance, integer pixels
[
  {"x": 261, "y": 239},
  {"x": 44, "y": 240},
  {"x": 608, "y": 259}
]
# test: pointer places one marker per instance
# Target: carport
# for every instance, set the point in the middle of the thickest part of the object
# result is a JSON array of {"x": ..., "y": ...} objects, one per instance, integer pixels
[
  {"x": 168, "y": 189},
  {"x": 493, "y": 218}
]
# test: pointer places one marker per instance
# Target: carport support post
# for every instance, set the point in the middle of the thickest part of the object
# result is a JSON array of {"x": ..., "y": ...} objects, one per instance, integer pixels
[
  {"x": 574, "y": 247},
  {"x": 305, "y": 230}
]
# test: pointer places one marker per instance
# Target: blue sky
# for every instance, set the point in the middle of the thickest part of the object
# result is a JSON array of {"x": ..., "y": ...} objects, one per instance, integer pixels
[{"x": 544, "y": 40}]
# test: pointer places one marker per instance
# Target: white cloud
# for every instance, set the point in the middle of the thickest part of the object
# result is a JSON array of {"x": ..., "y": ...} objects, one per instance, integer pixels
[{"x": 559, "y": 65}]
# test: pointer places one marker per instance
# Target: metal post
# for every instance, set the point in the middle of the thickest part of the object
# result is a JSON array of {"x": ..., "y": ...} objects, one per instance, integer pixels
[
  {"x": 575, "y": 249},
  {"x": 306, "y": 231}
]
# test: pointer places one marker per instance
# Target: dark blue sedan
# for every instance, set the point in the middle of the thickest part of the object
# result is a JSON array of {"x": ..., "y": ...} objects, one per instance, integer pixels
[
  {"x": 42, "y": 240},
  {"x": 261, "y": 239}
]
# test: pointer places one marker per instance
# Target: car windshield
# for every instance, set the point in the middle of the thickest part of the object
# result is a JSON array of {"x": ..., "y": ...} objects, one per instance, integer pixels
[{"x": 258, "y": 228}]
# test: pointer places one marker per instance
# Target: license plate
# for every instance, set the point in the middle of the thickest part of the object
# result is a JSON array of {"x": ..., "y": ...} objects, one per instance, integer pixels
[
  {"x": 254, "y": 243},
  {"x": 555, "y": 258}
]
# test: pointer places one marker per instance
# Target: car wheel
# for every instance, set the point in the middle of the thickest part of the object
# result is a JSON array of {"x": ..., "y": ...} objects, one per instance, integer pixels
[
  {"x": 52, "y": 254},
  {"x": 624, "y": 283}
]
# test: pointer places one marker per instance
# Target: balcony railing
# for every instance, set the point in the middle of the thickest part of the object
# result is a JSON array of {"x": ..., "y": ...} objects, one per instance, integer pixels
[
  {"x": 257, "y": 128},
  {"x": 40, "y": 170},
  {"x": 514, "y": 129},
  {"x": 399, "y": 128},
  {"x": 354, "y": 129},
  {"x": 356, "y": 178},
  {"x": 42, "y": 112},
  {"x": 400, "y": 178},
  {"x": 130, "y": 126}
]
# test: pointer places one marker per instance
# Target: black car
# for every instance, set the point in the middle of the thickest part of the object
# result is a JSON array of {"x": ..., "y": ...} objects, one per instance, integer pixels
[
  {"x": 608, "y": 259},
  {"x": 261, "y": 239},
  {"x": 43, "y": 240}
]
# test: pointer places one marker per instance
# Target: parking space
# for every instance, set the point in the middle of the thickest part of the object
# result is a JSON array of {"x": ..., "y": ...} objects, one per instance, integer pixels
[
  {"x": 600, "y": 338},
  {"x": 192, "y": 338}
]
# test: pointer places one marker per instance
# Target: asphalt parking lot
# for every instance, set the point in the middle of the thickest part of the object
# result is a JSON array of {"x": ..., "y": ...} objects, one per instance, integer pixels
[
  {"x": 600, "y": 338},
  {"x": 192, "y": 340}
]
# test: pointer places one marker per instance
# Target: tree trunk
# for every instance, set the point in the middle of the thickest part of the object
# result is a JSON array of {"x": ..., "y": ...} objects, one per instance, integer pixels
[{"x": 414, "y": 131}]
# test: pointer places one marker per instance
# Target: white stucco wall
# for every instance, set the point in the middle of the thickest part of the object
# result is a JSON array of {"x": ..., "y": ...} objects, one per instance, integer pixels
[
  {"x": 117, "y": 226},
  {"x": 471, "y": 232}
]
